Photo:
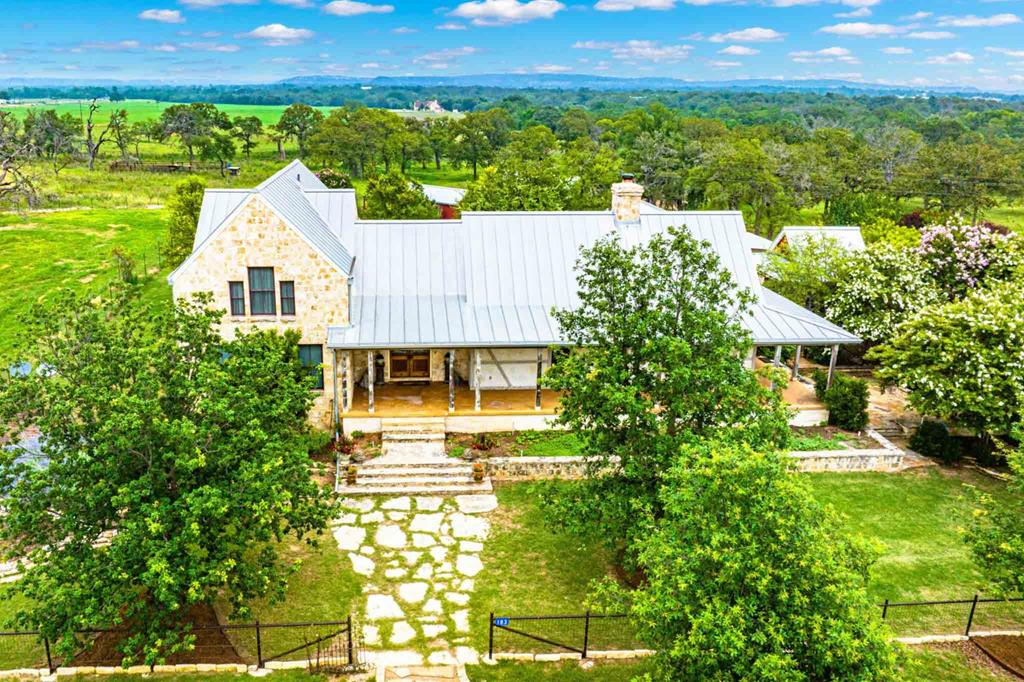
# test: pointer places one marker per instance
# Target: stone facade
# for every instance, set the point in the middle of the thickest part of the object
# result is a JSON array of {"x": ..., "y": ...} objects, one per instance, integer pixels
[{"x": 257, "y": 237}]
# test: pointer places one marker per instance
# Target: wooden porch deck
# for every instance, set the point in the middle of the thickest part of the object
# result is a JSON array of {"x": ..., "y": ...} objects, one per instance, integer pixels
[{"x": 431, "y": 400}]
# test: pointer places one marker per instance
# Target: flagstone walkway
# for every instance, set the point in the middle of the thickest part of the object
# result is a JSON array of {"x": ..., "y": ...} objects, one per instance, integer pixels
[{"x": 420, "y": 556}]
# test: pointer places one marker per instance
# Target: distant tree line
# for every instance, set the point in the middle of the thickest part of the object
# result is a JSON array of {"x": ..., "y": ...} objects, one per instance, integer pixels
[{"x": 529, "y": 157}]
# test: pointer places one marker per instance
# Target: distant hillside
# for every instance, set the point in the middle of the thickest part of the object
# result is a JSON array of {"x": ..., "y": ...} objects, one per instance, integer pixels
[{"x": 610, "y": 83}]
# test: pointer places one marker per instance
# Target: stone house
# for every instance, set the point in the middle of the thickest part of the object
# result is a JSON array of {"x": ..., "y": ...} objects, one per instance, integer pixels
[{"x": 435, "y": 318}]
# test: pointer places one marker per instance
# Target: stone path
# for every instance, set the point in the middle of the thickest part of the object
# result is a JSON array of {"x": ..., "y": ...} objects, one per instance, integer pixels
[{"x": 420, "y": 556}]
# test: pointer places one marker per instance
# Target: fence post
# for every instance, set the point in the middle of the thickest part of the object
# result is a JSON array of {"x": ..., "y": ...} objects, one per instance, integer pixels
[
  {"x": 351, "y": 657},
  {"x": 970, "y": 616},
  {"x": 586, "y": 632},
  {"x": 885, "y": 609},
  {"x": 259, "y": 646},
  {"x": 49, "y": 661},
  {"x": 490, "y": 637}
]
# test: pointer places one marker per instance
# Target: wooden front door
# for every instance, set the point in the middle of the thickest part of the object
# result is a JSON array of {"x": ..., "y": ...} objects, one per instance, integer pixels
[{"x": 413, "y": 364}]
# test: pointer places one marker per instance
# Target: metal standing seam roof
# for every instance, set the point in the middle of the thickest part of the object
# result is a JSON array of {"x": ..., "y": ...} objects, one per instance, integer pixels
[
  {"x": 489, "y": 279},
  {"x": 847, "y": 236},
  {"x": 444, "y": 196},
  {"x": 285, "y": 194}
]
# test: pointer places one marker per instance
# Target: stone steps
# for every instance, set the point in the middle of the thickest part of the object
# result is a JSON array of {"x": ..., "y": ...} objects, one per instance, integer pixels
[
  {"x": 452, "y": 488},
  {"x": 409, "y": 436},
  {"x": 415, "y": 471}
]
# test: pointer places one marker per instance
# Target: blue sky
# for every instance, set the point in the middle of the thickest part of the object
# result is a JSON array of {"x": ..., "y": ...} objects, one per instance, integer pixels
[{"x": 934, "y": 42}]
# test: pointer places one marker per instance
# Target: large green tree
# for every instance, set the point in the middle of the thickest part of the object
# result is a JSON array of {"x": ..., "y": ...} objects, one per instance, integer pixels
[
  {"x": 749, "y": 578},
  {"x": 192, "y": 124},
  {"x": 184, "y": 206},
  {"x": 300, "y": 121},
  {"x": 392, "y": 196},
  {"x": 174, "y": 468},
  {"x": 659, "y": 363}
]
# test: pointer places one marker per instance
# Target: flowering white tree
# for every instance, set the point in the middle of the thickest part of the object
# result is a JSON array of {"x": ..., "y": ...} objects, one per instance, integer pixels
[{"x": 959, "y": 257}]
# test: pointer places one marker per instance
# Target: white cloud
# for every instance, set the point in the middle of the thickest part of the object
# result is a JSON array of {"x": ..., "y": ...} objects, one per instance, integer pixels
[
  {"x": 551, "y": 68},
  {"x": 201, "y": 4},
  {"x": 824, "y": 56},
  {"x": 352, "y": 8},
  {"x": 504, "y": 12},
  {"x": 916, "y": 16},
  {"x": 164, "y": 16},
  {"x": 972, "y": 21},
  {"x": 931, "y": 35},
  {"x": 116, "y": 46},
  {"x": 404, "y": 30},
  {"x": 278, "y": 35},
  {"x": 855, "y": 14},
  {"x": 754, "y": 34},
  {"x": 632, "y": 51},
  {"x": 861, "y": 29},
  {"x": 630, "y": 5},
  {"x": 451, "y": 26},
  {"x": 210, "y": 47},
  {"x": 739, "y": 51},
  {"x": 440, "y": 59},
  {"x": 951, "y": 58},
  {"x": 1009, "y": 52},
  {"x": 301, "y": 4},
  {"x": 897, "y": 50},
  {"x": 165, "y": 47},
  {"x": 719, "y": 64}
]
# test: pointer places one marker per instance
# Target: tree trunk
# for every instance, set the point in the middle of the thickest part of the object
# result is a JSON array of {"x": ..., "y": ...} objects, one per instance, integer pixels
[
  {"x": 280, "y": 150},
  {"x": 437, "y": 160}
]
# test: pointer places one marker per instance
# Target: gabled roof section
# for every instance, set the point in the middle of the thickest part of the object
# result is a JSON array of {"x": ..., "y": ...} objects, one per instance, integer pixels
[
  {"x": 777, "y": 320},
  {"x": 847, "y": 236},
  {"x": 284, "y": 192}
]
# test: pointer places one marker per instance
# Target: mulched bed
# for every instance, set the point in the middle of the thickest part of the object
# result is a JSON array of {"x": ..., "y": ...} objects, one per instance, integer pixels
[
  {"x": 1007, "y": 651},
  {"x": 212, "y": 645},
  {"x": 976, "y": 658}
]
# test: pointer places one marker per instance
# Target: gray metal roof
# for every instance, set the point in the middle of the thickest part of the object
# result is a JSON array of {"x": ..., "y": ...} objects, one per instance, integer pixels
[
  {"x": 490, "y": 278},
  {"x": 758, "y": 243},
  {"x": 444, "y": 196},
  {"x": 286, "y": 192},
  {"x": 847, "y": 236},
  {"x": 494, "y": 278}
]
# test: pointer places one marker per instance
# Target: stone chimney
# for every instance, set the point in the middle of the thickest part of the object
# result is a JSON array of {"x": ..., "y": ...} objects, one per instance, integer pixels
[{"x": 626, "y": 196}]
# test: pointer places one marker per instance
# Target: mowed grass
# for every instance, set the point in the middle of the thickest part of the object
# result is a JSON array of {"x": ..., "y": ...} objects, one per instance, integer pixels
[
  {"x": 948, "y": 664},
  {"x": 618, "y": 671},
  {"x": 917, "y": 517},
  {"x": 44, "y": 253},
  {"x": 530, "y": 566}
]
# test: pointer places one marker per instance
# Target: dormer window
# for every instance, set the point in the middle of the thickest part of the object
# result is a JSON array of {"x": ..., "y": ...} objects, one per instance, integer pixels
[{"x": 262, "y": 294}]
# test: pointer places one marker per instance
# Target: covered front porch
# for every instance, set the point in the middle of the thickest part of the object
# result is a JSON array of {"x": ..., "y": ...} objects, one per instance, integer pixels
[{"x": 433, "y": 399}]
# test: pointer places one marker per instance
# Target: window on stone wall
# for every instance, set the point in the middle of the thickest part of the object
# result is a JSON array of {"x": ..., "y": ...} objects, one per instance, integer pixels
[
  {"x": 237, "y": 291},
  {"x": 261, "y": 291},
  {"x": 312, "y": 356},
  {"x": 287, "y": 298}
]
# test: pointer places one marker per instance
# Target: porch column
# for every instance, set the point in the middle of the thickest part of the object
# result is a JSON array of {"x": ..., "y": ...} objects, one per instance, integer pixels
[
  {"x": 371, "y": 371},
  {"x": 776, "y": 363},
  {"x": 540, "y": 371},
  {"x": 334, "y": 405},
  {"x": 832, "y": 365},
  {"x": 476, "y": 376},
  {"x": 796, "y": 362},
  {"x": 345, "y": 357},
  {"x": 451, "y": 380}
]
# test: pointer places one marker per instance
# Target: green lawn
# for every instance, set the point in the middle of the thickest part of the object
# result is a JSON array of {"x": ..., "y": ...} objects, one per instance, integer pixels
[
  {"x": 948, "y": 664},
  {"x": 531, "y": 569},
  {"x": 917, "y": 517},
  {"x": 42, "y": 253},
  {"x": 557, "y": 672}
]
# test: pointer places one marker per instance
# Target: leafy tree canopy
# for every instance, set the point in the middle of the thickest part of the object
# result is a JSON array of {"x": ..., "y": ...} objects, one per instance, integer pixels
[
  {"x": 184, "y": 206},
  {"x": 185, "y": 451},
  {"x": 749, "y": 578},
  {"x": 392, "y": 196},
  {"x": 660, "y": 364}
]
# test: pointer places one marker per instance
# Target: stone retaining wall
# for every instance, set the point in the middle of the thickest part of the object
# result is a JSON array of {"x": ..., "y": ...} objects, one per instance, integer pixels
[{"x": 571, "y": 468}]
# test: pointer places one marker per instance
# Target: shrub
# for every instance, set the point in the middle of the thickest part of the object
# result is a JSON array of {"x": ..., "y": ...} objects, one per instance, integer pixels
[
  {"x": 125, "y": 265},
  {"x": 883, "y": 288},
  {"x": 847, "y": 403},
  {"x": 820, "y": 378},
  {"x": 334, "y": 179},
  {"x": 483, "y": 441},
  {"x": 886, "y": 231},
  {"x": 184, "y": 206},
  {"x": 932, "y": 439},
  {"x": 958, "y": 257},
  {"x": 457, "y": 451}
]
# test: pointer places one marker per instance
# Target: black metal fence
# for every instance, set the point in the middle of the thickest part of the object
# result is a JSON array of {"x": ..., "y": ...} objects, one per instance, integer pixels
[
  {"x": 587, "y": 632},
  {"x": 326, "y": 647},
  {"x": 953, "y": 617},
  {"x": 573, "y": 633}
]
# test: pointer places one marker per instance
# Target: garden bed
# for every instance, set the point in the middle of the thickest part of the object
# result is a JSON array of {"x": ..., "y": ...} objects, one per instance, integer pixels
[
  {"x": 555, "y": 443},
  {"x": 814, "y": 438}
]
